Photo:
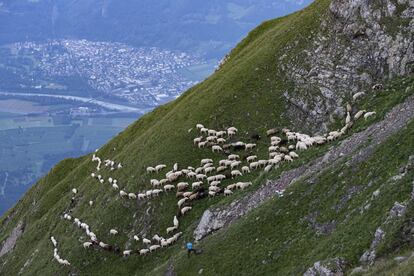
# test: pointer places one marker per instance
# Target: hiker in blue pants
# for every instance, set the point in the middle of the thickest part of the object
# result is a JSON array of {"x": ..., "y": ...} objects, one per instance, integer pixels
[{"x": 190, "y": 248}]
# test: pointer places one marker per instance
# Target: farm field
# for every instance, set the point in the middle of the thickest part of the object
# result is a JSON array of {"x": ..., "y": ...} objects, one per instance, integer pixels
[{"x": 33, "y": 139}]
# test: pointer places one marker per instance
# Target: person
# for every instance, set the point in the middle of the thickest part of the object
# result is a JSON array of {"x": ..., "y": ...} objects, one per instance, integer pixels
[{"x": 190, "y": 249}]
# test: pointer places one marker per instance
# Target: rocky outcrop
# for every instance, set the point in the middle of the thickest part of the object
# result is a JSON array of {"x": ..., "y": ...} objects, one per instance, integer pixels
[
  {"x": 360, "y": 43},
  {"x": 330, "y": 267},
  {"x": 217, "y": 218},
  {"x": 9, "y": 243}
]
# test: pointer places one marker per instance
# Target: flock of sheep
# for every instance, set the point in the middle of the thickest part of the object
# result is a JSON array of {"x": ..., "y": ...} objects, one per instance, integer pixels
[{"x": 205, "y": 179}]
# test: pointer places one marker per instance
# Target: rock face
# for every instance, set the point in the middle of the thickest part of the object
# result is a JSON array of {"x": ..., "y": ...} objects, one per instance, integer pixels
[
  {"x": 360, "y": 43},
  {"x": 331, "y": 267},
  {"x": 8, "y": 245}
]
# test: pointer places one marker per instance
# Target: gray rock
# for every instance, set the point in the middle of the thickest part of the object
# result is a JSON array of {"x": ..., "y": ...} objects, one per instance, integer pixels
[
  {"x": 330, "y": 267},
  {"x": 398, "y": 210},
  {"x": 10, "y": 242}
]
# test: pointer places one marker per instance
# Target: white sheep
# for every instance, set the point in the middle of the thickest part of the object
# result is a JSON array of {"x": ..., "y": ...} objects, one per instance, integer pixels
[
  {"x": 358, "y": 95},
  {"x": 54, "y": 242},
  {"x": 143, "y": 252},
  {"x": 245, "y": 169},
  {"x": 182, "y": 185},
  {"x": 197, "y": 140},
  {"x": 175, "y": 221},
  {"x": 216, "y": 148},
  {"x": 141, "y": 196},
  {"x": 75, "y": 191},
  {"x": 201, "y": 176},
  {"x": 250, "y": 146},
  {"x": 146, "y": 241},
  {"x": 181, "y": 202},
  {"x": 171, "y": 229},
  {"x": 199, "y": 126},
  {"x": 169, "y": 187},
  {"x": 227, "y": 192},
  {"x": 115, "y": 186},
  {"x": 369, "y": 114},
  {"x": 113, "y": 232},
  {"x": 154, "y": 247},
  {"x": 348, "y": 118},
  {"x": 87, "y": 244},
  {"x": 196, "y": 185},
  {"x": 221, "y": 140},
  {"x": 136, "y": 238},
  {"x": 126, "y": 253},
  {"x": 185, "y": 209},
  {"x": 254, "y": 165},
  {"x": 359, "y": 114},
  {"x": 233, "y": 157},
  {"x": 122, "y": 193},
  {"x": 151, "y": 170},
  {"x": 206, "y": 161},
  {"x": 235, "y": 164},
  {"x": 236, "y": 173},
  {"x": 202, "y": 144},
  {"x": 175, "y": 167},
  {"x": 251, "y": 158},
  {"x": 160, "y": 167},
  {"x": 288, "y": 158},
  {"x": 293, "y": 154},
  {"x": 103, "y": 245},
  {"x": 268, "y": 168},
  {"x": 132, "y": 196},
  {"x": 301, "y": 145}
]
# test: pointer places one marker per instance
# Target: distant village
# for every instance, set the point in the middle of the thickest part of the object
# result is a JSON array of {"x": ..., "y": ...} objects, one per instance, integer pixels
[{"x": 144, "y": 76}]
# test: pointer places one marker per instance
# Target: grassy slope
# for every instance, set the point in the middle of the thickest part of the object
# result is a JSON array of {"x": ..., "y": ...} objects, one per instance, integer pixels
[{"x": 230, "y": 97}]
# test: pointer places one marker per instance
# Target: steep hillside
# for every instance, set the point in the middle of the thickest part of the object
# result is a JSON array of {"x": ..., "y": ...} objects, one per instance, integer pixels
[{"x": 328, "y": 212}]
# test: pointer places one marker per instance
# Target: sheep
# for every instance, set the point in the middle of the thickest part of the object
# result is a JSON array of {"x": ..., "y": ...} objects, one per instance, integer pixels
[
  {"x": 201, "y": 176},
  {"x": 293, "y": 154},
  {"x": 197, "y": 140},
  {"x": 211, "y": 139},
  {"x": 155, "y": 182},
  {"x": 187, "y": 194},
  {"x": 232, "y": 129},
  {"x": 209, "y": 170},
  {"x": 288, "y": 158},
  {"x": 273, "y": 148},
  {"x": 113, "y": 232},
  {"x": 206, "y": 161},
  {"x": 243, "y": 185},
  {"x": 160, "y": 167},
  {"x": 136, "y": 238},
  {"x": 235, "y": 173},
  {"x": 143, "y": 252},
  {"x": 221, "y": 133},
  {"x": 369, "y": 114},
  {"x": 87, "y": 244},
  {"x": 358, "y": 95},
  {"x": 146, "y": 241},
  {"x": 199, "y": 126},
  {"x": 185, "y": 209},
  {"x": 216, "y": 148},
  {"x": 233, "y": 157},
  {"x": 154, "y": 247},
  {"x": 126, "y": 253},
  {"x": 141, "y": 196},
  {"x": 221, "y": 140},
  {"x": 132, "y": 196},
  {"x": 245, "y": 169},
  {"x": 227, "y": 192},
  {"x": 151, "y": 170},
  {"x": 377, "y": 86},
  {"x": 103, "y": 245},
  {"x": 175, "y": 221},
  {"x": 182, "y": 185},
  {"x": 204, "y": 130},
  {"x": 301, "y": 145},
  {"x": 148, "y": 193},
  {"x": 250, "y": 146},
  {"x": 168, "y": 187},
  {"x": 164, "y": 243},
  {"x": 171, "y": 229},
  {"x": 221, "y": 168},
  {"x": 220, "y": 177},
  {"x": 215, "y": 183},
  {"x": 271, "y": 132},
  {"x": 348, "y": 118},
  {"x": 211, "y": 193},
  {"x": 202, "y": 145},
  {"x": 115, "y": 186},
  {"x": 181, "y": 202},
  {"x": 75, "y": 191},
  {"x": 196, "y": 185},
  {"x": 119, "y": 166},
  {"x": 268, "y": 168},
  {"x": 250, "y": 159},
  {"x": 212, "y": 132},
  {"x": 93, "y": 175},
  {"x": 54, "y": 242},
  {"x": 235, "y": 164},
  {"x": 254, "y": 165}
]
